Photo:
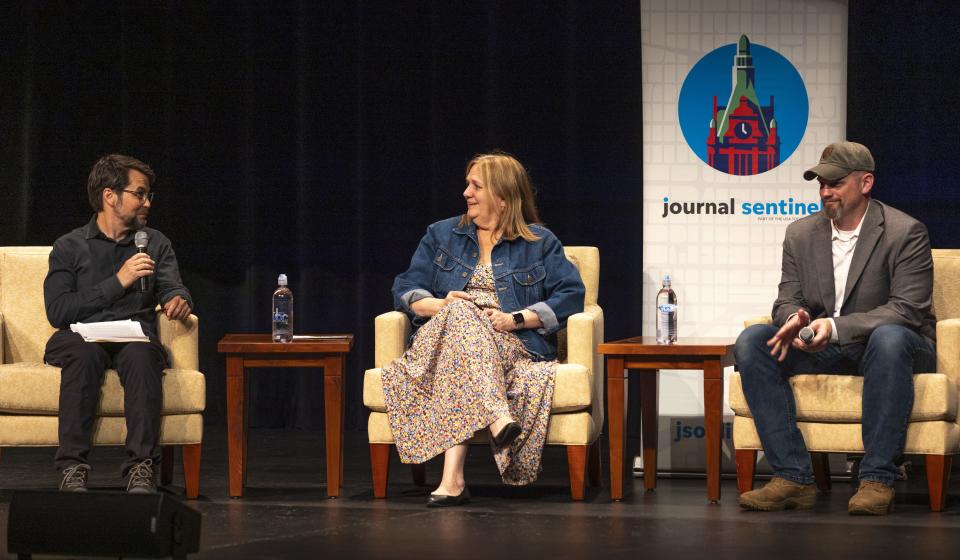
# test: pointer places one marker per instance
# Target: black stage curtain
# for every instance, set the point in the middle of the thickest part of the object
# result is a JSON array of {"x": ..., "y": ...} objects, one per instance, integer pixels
[
  {"x": 319, "y": 139},
  {"x": 902, "y": 78}
]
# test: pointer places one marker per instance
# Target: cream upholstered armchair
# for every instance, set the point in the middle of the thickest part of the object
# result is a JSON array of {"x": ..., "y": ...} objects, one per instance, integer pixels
[
  {"x": 30, "y": 389},
  {"x": 576, "y": 415},
  {"x": 829, "y": 406}
]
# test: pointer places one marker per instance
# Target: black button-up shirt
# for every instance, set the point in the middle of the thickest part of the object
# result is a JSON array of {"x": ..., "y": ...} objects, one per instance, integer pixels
[{"x": 82, "y": 285}]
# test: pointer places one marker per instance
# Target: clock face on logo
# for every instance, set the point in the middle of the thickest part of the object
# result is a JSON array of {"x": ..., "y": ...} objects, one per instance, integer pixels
[{"x": 743, "y": 130}]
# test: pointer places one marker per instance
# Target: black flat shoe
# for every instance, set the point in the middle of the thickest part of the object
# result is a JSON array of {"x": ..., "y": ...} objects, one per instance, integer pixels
[
  {"x": 506, "y": 436},
  {"x": 438, "y": 500}
]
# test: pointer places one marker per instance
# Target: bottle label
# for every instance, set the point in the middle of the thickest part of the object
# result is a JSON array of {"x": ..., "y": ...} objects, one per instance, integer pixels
[
  {"x": 279, "y": 317},
  {"x": 667, "y": 307}
]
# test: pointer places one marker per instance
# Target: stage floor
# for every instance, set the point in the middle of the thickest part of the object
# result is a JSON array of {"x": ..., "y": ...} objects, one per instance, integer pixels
[{"x": 286, "y": 514}]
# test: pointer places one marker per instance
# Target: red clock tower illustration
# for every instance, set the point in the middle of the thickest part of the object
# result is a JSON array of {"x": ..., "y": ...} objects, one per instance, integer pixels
[{"x": 743, "y": 134}]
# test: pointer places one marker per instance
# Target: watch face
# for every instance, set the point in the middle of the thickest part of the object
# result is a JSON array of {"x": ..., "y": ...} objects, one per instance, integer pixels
[{"x": 743, "y": 129}]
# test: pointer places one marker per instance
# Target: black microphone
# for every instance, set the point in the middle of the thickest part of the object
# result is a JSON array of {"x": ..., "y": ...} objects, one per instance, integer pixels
[
  {"x": 140, "y": 240},
  {"x": 806, "y": 335}
]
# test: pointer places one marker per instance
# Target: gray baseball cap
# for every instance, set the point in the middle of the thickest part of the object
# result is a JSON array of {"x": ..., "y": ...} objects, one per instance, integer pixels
[{"x": 839, "y": 159}]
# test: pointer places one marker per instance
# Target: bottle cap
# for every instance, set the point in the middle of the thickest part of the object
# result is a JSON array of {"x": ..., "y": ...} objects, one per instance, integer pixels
[
  {"x": 282, "y": 280},
  {"x": 666, "y": 279}
]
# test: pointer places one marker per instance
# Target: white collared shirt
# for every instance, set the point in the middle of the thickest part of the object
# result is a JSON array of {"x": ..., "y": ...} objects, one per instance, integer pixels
[{"x": 843, "y": 244}]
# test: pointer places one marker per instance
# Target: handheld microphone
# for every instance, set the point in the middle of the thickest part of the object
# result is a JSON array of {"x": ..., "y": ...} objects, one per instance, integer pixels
[
  {"x": 140, "y": 240},
  {"x": 806, "y": 335}
]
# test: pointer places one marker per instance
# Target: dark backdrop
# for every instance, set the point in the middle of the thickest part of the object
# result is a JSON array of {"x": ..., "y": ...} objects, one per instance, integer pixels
[
  {"x": 319, "y": 139},
  {"x": 902, "y": 81}
]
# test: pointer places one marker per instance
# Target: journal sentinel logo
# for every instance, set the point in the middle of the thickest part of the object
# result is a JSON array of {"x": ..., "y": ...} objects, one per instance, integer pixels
[
  {"x": 753, "y": 121},
  {"x": 683, "y": 431},
  {"x": 788, "y": 209}
]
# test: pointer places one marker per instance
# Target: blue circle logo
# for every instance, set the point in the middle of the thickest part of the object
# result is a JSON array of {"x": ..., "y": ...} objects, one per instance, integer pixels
[{"x": 748, "y": 124}]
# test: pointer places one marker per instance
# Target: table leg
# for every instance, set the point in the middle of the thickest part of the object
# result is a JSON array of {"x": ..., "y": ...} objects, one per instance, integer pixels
[
  {"x": 649, "y": 420},
  {"x": 712, "y": 420},
  {"x": 333, "y": 422},
  {"x": 236, "y": 425},
  {"x": 343, "y": 411},
  {"x": 616, "y": 381}
]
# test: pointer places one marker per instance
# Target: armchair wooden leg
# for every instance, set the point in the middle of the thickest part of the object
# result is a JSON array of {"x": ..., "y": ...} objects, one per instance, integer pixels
[
  {"x": 593, "y": 464},
  {"x": 380, "y": 468},
  {"x": 419, "y": 473},
  {"x": 746, "y": 460},
  {"x": 577, "y": 464},
  {"x": 938, "y": 478},
  {"x": 166, "y": 465},
  {"x": 821, "y": 470},
  {"x": 191, "y": 469}
]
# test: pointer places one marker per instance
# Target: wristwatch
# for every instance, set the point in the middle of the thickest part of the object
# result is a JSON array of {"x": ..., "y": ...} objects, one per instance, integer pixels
[{"x": 518, "y": 319}]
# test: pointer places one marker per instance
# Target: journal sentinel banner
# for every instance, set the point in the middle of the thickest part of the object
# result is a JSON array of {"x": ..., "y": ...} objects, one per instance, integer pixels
[{"x": 739, "y": 98}]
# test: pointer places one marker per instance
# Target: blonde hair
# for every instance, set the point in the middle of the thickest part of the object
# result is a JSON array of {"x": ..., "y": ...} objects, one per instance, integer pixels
[{"x": 508, "y": 180}]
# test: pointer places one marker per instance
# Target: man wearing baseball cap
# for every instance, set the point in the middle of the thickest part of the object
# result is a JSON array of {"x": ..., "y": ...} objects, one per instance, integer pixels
[{"x": 860, "y": 275}]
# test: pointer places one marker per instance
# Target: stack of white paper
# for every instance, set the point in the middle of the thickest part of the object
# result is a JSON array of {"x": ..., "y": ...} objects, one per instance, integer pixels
[{"x": 110, "y": 331}]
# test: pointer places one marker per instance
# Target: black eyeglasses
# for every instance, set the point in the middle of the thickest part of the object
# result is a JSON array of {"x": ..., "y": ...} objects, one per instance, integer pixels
[{"x": 141, "y": 195}]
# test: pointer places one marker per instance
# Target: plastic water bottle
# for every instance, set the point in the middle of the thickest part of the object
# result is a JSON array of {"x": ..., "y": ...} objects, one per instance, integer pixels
[
  {"x": 666, "y": 313},
  {"x": 282, "y": 315}
]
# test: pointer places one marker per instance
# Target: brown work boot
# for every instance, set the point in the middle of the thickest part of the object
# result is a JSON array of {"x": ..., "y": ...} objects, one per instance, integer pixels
[
  {"x": 872, "y": 498},
  {"x": 778, "y": 494}
]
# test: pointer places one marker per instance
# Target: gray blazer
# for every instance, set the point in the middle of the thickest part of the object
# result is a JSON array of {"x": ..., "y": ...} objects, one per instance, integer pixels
[{"x": 890, "y": 280}]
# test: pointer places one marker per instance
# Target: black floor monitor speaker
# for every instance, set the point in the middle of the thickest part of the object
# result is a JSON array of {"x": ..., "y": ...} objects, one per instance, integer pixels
[{"x": 101, "y": 524}]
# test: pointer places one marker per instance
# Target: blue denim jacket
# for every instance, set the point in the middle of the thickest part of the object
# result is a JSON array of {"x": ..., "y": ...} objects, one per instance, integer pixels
[{"x": 528, "y": 275}]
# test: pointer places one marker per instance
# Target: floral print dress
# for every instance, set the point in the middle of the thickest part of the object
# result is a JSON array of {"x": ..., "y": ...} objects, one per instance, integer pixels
[{"x": 459, "y": 376}]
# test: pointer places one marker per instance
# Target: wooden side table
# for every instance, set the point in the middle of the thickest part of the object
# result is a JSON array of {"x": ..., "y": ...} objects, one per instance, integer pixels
[
  {"x": 643, "y": 355},
  {"x": 258, "y": 350}
]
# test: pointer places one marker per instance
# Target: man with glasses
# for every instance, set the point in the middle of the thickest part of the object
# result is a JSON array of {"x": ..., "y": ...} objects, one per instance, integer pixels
[
  {"x": 95, "y": 275},
  {"x": 860, "y": 275}
]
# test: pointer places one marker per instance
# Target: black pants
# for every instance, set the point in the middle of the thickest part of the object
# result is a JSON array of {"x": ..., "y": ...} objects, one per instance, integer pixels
[{"x": 140, "y": 366}]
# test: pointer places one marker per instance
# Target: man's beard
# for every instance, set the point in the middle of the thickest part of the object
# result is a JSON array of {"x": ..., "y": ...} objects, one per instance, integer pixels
[
  {"x": 135, "y": 221},
  {"x": 835, "y": 213}
]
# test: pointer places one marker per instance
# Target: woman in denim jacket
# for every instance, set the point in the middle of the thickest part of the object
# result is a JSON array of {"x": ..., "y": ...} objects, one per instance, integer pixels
[{"x": 486, "y": 292}]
